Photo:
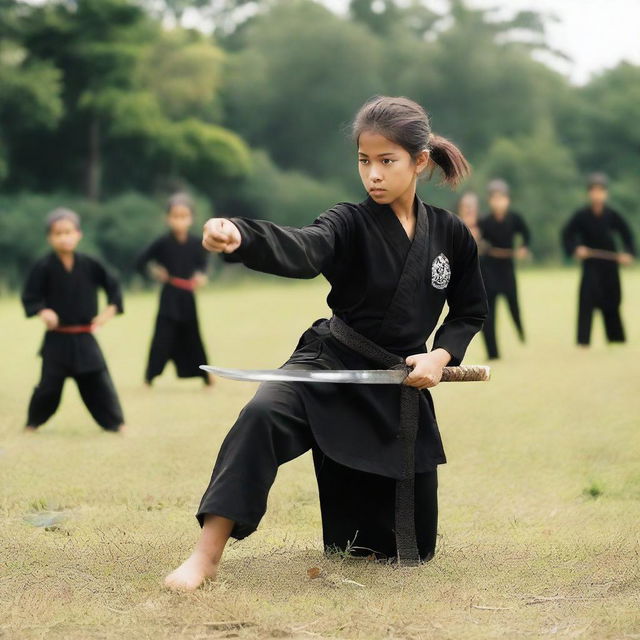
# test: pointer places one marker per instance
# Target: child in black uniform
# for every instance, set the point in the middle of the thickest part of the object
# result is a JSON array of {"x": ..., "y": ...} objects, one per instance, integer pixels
[
  {"x": 62, "y": 289},
  {"x": 392, "y": 262},
  {"x": 499, "y": 230},
  {"x": 177, "y": 260},
  {"x": 590, "y": 237}
]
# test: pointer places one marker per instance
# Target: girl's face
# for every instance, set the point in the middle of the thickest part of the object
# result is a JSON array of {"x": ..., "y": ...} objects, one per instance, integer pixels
[
  {"x": 180, "y": 219},
  {"x": 387, "y": 170},
  {"x": 64, "y": 236},
  {"x": 499, "y": 203},
  {"x": 468, "y": 210}
]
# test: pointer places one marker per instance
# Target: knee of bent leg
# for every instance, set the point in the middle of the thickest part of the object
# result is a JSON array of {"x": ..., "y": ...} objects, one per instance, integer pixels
[{"x": 257, "y": 415}]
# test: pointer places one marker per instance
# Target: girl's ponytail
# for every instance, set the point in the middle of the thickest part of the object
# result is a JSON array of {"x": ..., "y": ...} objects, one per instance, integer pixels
[{"x": 449, "y": 159}]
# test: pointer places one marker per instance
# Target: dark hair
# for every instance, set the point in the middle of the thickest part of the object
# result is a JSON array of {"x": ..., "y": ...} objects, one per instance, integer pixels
[
  {"x": 406, "y": 123},
  {"x": 61, "y": 213},
  {"x": 598, "y": 179},
  {"x": 498, "y": 185},
  {"x": 181, "y": 200}
]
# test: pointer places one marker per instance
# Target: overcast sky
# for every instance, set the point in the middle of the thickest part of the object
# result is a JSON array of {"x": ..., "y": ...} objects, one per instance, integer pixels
[{"x": 596, "y": 34}]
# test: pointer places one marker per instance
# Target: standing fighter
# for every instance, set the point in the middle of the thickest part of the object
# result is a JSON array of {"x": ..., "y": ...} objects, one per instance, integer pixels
[
  {"x": 392, "y": 262},
  {"x": 589, "y": 236},
  {"x": 177, "y": 260},
  {"x": 62, "y": 290},
  {"x": 468, "y": 210},
  {"x": 499, "y": 230}
]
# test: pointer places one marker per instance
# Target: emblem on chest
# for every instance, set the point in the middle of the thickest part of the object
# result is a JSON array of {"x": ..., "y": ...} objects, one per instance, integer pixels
[{"x": 440, "y": 272}]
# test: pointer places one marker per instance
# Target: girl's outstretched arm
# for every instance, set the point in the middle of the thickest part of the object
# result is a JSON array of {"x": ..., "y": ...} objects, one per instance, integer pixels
[{"x": 270, "y": 248}]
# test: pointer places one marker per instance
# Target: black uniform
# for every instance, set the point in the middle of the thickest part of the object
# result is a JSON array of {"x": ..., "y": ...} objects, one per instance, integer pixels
[
  {"x": 499, "y": 272},
  {"x": 600, "y": 284},
  {"x": 177, "y": 333},
  {"x": 391, "y": 290},
  {"x": 73, "y": 295}
]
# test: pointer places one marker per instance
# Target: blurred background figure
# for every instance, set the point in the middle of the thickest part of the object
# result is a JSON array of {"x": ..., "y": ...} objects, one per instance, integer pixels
[
  {"x": 62, "y": 290},
  {"x": 468, "y": 210},
  {"x": 178, "y": 261},
  {"x": 590, "y": 236},
  {"x": 499, "y": 230}
]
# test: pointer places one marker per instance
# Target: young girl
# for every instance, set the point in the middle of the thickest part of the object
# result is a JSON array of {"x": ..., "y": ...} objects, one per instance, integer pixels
[
  {"x": 468, "y": 210},
  {"x": 178, "y": 261},
  {"x": 62, "y": 290},
  {"x": 392, "y": 262},
  {"x": 499, "y": 230}
]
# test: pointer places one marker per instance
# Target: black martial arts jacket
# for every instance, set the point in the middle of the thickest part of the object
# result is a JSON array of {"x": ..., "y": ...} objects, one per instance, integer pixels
[
  {"x": 181, "y": 260},
  {"x": 391, "y": 290},
  {"x": 498, "y": 272},
  {"x": 600, "y": 277},
  {"x": 73, "y": 295}
]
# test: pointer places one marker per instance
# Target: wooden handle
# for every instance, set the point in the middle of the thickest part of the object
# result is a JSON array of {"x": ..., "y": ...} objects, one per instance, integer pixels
[
  {"x": 602, "y": 254},
  {"x": 466, "y": 373}
]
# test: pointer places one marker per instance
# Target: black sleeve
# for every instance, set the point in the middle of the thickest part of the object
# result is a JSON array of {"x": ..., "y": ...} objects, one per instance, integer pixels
[
  {"x": 522, "y": 228},
  {"x": 287, "y": 251},
  {"x": 201, "y": 257},
  {"x": 110, "y": 284},
  {"x": 149, "y": 253},
  {"x": 621, "y": 226},
  {"x": 34, "y": 290},
  {"x": 571, "y": 235},
  {"x": 466, "y": 298}
]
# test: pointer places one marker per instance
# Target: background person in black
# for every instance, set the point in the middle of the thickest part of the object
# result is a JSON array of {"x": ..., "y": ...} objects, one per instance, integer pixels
[
  {"x": 499, "y": 230},
  {"x": 177, "y": 260},
  {"x": 392, "y": 262},
  {"x": 589, "y": 236},
  {"x": 62, "y": 289}
]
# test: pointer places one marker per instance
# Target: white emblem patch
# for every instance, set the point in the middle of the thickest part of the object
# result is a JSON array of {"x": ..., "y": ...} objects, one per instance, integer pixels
[{"x": 440, "y": 272}]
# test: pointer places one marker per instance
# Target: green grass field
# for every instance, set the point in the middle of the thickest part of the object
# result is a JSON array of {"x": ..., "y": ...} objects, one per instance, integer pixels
[{"x": 540, "y": 501}]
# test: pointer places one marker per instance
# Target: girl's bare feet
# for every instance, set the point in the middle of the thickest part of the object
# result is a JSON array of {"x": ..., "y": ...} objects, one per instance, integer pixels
[
  {"x": 30, "y": 429},
  {"x": 203, "y": 563},
  {"x": 197, "y": 568}
]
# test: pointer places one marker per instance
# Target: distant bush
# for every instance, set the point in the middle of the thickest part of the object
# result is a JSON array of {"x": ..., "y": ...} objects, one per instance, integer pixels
[{"x": 115, "y": 230}]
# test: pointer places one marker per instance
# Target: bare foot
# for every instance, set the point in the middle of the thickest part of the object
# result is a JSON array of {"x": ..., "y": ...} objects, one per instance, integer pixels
[
  {"x": 30, "y": 429},
  {"x": 192, "y": 573},
  {"x": 123, "y": 429},
  {"x": 210, "y": 382}
]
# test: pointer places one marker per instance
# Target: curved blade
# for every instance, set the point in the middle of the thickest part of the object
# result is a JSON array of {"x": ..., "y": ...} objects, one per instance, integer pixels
[{"x": 348, "y": 376}]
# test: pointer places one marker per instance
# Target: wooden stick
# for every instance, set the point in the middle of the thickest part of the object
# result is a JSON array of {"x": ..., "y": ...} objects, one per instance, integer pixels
[
  {"x": 497, "y": 252},
  {"x": 602, "y": 254}
]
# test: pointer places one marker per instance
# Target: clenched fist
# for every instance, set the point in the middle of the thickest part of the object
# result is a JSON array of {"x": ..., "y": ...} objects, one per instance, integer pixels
[{"x": 220, "y": 235}]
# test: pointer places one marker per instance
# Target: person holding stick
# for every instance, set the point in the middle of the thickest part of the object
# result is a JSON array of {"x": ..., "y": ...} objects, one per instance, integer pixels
[
  {"x": 590, "y": 236},
  {"x": 499, "y": 231},
  {"x": 392, "y": 262}
]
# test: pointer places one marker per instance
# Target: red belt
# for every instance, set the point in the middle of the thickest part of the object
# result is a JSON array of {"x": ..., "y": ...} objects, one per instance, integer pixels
[
  {"x": 75, "y": 328},
  {"x": 182, "y": 283}
]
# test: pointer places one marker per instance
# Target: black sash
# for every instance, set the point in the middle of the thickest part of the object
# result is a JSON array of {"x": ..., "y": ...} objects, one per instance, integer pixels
[{"x": 405, "y": 528}]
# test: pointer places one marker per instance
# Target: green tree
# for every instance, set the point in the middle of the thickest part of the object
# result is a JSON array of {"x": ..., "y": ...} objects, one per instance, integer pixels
[{"x": 296, "y": 82}]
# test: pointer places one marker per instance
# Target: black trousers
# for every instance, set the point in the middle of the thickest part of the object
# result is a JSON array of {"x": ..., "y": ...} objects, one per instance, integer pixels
[
  {"x": 358, "y": 508},
  {"x": 179, "y": 341},
  {"x": 96, "y": 389},
  {"x": 612, "y": 322},
  {"x": 489, "y": 327}
]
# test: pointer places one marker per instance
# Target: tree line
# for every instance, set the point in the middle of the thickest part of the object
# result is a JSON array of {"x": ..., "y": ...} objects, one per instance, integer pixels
[{"x": 110, "y": 105}]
